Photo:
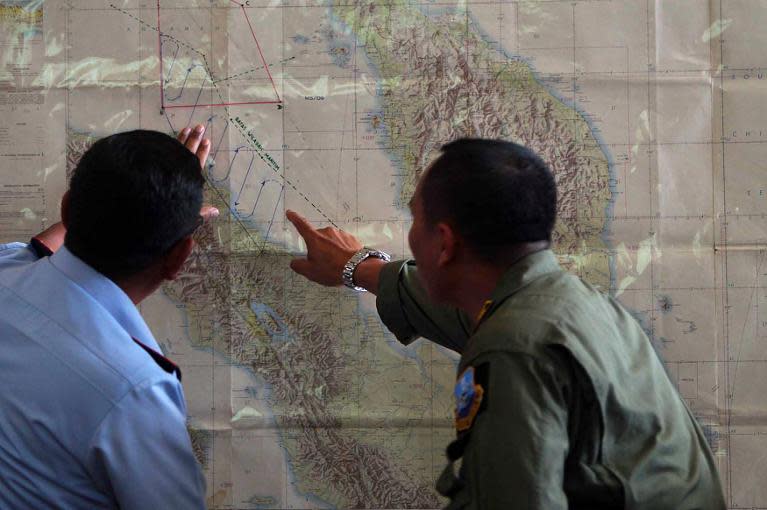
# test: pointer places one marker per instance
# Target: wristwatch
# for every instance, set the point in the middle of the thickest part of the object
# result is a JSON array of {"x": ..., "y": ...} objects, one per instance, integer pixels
[{"x": 347, "y": 274}]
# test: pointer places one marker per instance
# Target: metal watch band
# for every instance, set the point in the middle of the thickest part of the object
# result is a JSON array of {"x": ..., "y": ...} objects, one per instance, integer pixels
[{"x": 347, "y": 274}]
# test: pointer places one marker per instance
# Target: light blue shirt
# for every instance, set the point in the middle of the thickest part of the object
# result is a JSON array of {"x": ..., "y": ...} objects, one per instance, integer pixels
[{"x": 87, "y": 418}]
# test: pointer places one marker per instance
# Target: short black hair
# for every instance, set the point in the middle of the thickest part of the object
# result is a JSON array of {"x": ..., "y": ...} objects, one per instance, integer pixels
[
  {"x": 495, "y": 194},
  {"x": 132, "y": 197}
]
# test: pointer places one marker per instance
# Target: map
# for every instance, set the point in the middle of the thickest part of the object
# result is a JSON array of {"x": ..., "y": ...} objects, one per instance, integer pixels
[{"x": 651, "y": 115}]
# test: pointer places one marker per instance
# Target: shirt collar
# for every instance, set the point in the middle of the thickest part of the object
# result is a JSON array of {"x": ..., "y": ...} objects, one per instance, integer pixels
[
  {"x": 520, "y": 274},
  {"x": 106, "y": 293}
]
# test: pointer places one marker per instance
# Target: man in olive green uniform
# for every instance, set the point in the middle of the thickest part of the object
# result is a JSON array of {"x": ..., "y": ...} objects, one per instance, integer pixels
[{"x": 561, "y": 401}]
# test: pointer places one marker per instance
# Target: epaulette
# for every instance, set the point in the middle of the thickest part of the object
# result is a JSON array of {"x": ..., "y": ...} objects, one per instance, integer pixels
[{"x": 161, "y": 360}]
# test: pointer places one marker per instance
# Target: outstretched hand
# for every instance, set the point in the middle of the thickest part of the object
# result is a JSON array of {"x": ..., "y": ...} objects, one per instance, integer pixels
[
  {"x": 194, "y": 141},
  {"x": 327, "y": 251},
  {"x": 199, "y": 146}
]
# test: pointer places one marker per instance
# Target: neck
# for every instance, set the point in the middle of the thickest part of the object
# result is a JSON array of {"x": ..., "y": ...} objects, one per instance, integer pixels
[
  {"x": 471, "y": 293},
  {"x": 139, "y": 287}
]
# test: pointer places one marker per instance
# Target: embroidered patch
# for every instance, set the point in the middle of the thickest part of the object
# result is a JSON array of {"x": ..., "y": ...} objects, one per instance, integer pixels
[{"x": 468, "y": 398}]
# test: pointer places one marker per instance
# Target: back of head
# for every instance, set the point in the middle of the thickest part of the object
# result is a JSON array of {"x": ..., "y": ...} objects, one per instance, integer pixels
[
  {"x": 131, "y": 198},
  {"x": 496, "y": 194}
]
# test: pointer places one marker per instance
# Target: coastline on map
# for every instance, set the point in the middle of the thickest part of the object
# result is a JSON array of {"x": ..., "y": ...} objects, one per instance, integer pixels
[{"x": 160, "y": 309}]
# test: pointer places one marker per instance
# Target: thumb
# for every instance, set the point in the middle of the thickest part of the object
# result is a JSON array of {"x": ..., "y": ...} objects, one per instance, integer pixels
[
  {"x": 208, "y": 212},
  {"x": 300, "y": 266}
]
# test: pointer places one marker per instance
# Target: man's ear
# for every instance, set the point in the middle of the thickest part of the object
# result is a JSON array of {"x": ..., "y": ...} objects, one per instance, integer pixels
[
  {"x": 448, "y": 244},
  {"x": 175, "y": 258},
  {"x": 65, "y": 209}
]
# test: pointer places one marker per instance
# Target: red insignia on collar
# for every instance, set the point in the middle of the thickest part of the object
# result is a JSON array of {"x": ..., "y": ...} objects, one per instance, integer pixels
[{"x": 161, "y": 360}]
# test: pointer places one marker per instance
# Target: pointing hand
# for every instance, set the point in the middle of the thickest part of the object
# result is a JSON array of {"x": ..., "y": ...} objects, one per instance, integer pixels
[{"x": 328, "y": 249}]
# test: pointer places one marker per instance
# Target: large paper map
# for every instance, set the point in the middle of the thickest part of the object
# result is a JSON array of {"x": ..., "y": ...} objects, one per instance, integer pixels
[{"x": 651, "y": 114}]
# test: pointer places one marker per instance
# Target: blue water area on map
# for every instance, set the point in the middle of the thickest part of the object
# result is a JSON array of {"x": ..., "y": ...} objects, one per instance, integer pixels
[{"x": 271, "y": 322}]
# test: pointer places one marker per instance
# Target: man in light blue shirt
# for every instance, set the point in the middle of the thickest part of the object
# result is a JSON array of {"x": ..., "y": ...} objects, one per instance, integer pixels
[{"x": 91, "y": 414}]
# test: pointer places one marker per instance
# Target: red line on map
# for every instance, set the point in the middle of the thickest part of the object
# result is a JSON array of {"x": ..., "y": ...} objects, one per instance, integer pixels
[
  {"x": 220, "y": 104},
  {"x": 260, "y": 53},
  {"x": 159, "y": 51},
  {"x": 263, "y": 61}
]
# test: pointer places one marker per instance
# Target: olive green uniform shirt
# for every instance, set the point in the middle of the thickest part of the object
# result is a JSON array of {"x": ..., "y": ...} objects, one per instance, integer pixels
[{"x": 577, "y": 410}]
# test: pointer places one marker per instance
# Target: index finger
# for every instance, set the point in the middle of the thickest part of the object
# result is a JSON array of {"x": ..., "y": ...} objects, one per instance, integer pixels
[{"x": 304, "y": 228}]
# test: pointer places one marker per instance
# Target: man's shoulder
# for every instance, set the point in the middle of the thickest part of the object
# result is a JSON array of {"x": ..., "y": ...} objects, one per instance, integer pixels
[
  {"x": 14, "y": 255},
  {"x": 68, "y": 376},
  {"x": 69, "y": 335},
  {"x": 558, "y": 289},
  {"x": 555, "y": 299},
  {"x": 536, "y": 311},
  {"x": 557, "y": 309}
]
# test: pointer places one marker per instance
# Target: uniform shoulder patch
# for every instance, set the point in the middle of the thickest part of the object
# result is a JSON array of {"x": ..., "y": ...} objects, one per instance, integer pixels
[{"x": 468, "y": 399}]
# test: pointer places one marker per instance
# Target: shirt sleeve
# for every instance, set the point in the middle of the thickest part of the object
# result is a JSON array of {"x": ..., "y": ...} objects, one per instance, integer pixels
[
  {"x": 407, "y": 312},
  {"x": 16, "y": 254},
  {"x": 142, "y": 453},
  {"x": 515, "y": 457}
]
